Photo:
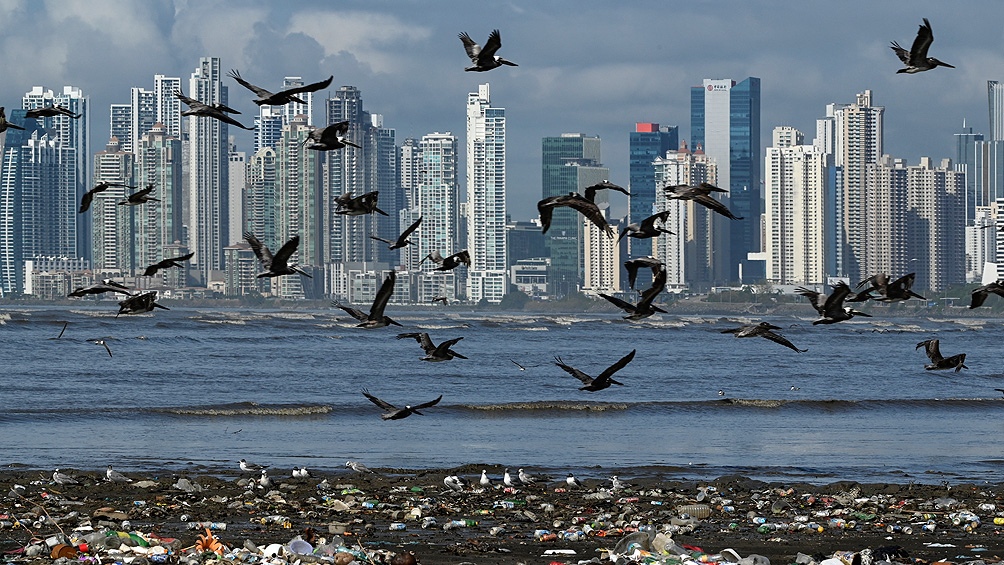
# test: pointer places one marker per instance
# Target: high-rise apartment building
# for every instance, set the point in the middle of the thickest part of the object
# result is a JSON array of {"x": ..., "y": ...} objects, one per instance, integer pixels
[
  {"x": 936, "y": 224},
  {"x": 995, "y": 102},
  {"x": 372, "y": 168},
  {"x": 158, "y": 225},
  {"x": 647, "y": 142},
  {"x": 437, "y": 201},
  {"x": 70, "y": 134},
  {"x": 208, "y": 171},
  {"x": 112, "y": 225},
  {"x": 300, "y": 208},
  {"x": 486, "y": 194},
  {"x": 570, "y": 163},
  {"x": 238, "y": 176},
  {"x": 601, "y": 259},
  {"x": 695, "y": 254},
  {"x": 881, "y": 219},
  {"x": 725, "y": 121},
  {"x": 260, "y": 200},
  {"x": 795, "y": 216}
]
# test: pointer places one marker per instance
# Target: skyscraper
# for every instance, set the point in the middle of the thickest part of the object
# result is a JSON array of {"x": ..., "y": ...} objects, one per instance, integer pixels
[
  {"x": 936, "y": 224},
  {"x": 70, "y": 134},
  {"x": 881, "y": 219},
  {"x": 570, "y": 163},
  {"x": 299, "y": 200},
  {"x": 208, "y": 173},
  {"x": 647, "y": 142},
  {"x": 260, "y": 202},
  {"x": 995, "y": 101},
  {"x": 795, "y": 194},
  {"x": 725, "y": 121},
  {"x": 112, "y": 224},
  {"x": 965, "y": 161},
  {"x": 157, "y": 225},
  {"x": 437, "y": 199},
  {"x": 486, "y": 194},
  {"x": 238, "y": 176}
]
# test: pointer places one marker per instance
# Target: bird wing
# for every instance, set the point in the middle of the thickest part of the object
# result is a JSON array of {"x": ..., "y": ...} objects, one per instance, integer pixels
[
  {"x": 462, "y": 256},
  {"x": 223, "y": 117},
  {"x": 546, "y": 209},
  {"x": 184, "y": 257},
  {"x": 658, "y": 284},
  {"x": 931, "y": 347},
  {"x": 708, "y": 188},
  {"x": 903, "y": 54},
  {"x": 139, "y": 194},
  {"x": 355, "y": 313},
  {"x": 382, "y": 296},
  {"x": 487, "y": 54},
  {"x": 261, "y": 92},
  {"x": 85, "y": 201},
  {"x": 425, "y": 341},
  {"x": 710, "y": 202},
  {"x": 411, "y": 229},
  {"x": 428, "y": 404},
  {"x": 918, "y": 51},
  {"x": 648, "y": 223},
  {"x": 264, "y": 255},
  {"x": 472, "y": 48},
  {"x": 632, "y": 267},
  {"x": 191, "y": 102},
  {"x": 817, "y": 299},
  {"x": 152, "y": 269},
  {"x": 620, "y": 364},
  {"x": 778, "y": 338},
  {"x": 588, "y": 209},
  {"x": 378, "y": 402},
  {"x": 590, "y": 191},
  {"x": 835, "y": 301},
  {"x": 444, "y": 347},
  {"x": 586, "y": 379},
  {"x": 387, "y": 241},
  {"x": 312, "y": 87},
  {"x": 435, "y": 256},
  {"x": 626, "y": 306},
  {"x": 286, "y": 251}
]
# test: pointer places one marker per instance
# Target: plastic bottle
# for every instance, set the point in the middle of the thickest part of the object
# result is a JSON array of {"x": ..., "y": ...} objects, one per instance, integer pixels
[
  {"x": 397, "y": 526},
  {"x": 699, "y": 511}
]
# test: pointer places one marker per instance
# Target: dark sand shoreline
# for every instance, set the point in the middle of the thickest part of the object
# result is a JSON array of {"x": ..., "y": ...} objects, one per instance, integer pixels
[{"x": 365, "y": 504}]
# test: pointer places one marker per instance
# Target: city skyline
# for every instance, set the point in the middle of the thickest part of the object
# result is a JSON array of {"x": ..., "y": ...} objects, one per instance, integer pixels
[{"x": 566, "y": 81}]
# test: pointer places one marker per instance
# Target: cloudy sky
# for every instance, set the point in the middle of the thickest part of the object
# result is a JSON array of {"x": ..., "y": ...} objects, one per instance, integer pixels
[{"x": 590, "y": 66}]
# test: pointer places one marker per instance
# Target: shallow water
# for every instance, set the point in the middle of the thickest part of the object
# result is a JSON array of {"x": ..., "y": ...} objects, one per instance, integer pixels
[{"x": 209, "y": 387}]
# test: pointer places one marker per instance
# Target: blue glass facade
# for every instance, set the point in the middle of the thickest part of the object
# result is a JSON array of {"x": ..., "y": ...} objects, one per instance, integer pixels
[
  {"x": 644, "y": 147},
  {"x": 744, "y": 164}
]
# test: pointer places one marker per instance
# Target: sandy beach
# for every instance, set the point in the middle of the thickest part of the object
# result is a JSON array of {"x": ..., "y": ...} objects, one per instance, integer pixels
[{"x": 542, "y": 523}]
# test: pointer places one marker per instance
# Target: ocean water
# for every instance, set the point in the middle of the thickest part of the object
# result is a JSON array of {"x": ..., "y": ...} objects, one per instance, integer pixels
[{"x": 202, "y": 388}]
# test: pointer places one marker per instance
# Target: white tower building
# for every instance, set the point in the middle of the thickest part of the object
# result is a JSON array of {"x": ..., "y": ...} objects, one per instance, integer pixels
[{"x": 486, "y": 194}]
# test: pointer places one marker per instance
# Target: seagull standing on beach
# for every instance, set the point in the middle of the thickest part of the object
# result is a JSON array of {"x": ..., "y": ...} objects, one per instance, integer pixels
[
  {"x": 455, "y": 483},
  {"x": 507, "y": 479},
  {"x": 617, "y": 484},
  {"x": 357, "y": 467},
  {"x": 264, "y": 481},
  {"x": 63, "y": 479},
  {"x": 251, "y": 467},
  {"x": 572, "y": 482},
  {"x": 116, "y": 477},
  {"x": 526, "y": 479},
  {"x": 485, "y": 481}
]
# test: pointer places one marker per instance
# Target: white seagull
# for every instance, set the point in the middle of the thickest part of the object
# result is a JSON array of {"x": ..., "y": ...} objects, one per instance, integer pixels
[
  {"x": 63, "y": 479},
  {"x": 485, "y": 481},
  {"x": 116, "y": 477},
  {"x": 251, "y": 467},
  {"x": 264, "y": 481},
  {"x": 525, "y": 478},
  {"x": 357, "y": 467},
  {"x": 507, "y": 479},
  {"x": 572, "y": 482}
]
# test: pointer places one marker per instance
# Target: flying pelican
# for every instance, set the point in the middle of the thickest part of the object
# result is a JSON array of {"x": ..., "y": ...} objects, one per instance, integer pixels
[
  {"x": 216, "y": 111},
  {"x": 250, "y": 467},
  {"x": 283, "y": 97},
  {"x": 441, "y": 299},
  {"x": 63, "y": 479},
  {"x": 102, "y": 342},
  {"x": 330, "y": 137},
  {"x": 485, "y": 481},
  {"x": 50, "y": 112},
  {"x": 395, "y": 413},
  {"x": 604, "y": 379},
  {"x": 139, "y": 303},
  {"x": 576, "y": 202},
  {"x": 701, "y": 194},
  {"x": 894, "y": 291},
  {"x": 4, "y": 124},
  {"x": 376, "y": 317},
  {"x": 434, "y": 353},
  {"x": 139, "y": 197},
  {"x": 632, "y": 266},
  {"x": 402, "y": 240},
  {"x": 484, "y": 58},
  {"x": 449, "y": 263},
  {"x": 106, "y": 285},
  {"x": 278, "y": 264},
  {"x": 167, "y": 263},
  {"x": 358, "y": 467},
  {"x": 85, "y": 200},
  {"x": 980, "y": 294},
  {"x": 572, "y": 482},
  {"x": 764, "y": 330},
  {"x": 938, "y": 362},
  {"x": 116, "y": 477},
  {"x": 916, "y": 59},
  {"x": 647, "y": 229},
  {"x": 831, "y": 307},
  {"x": 644, "y": 308},
  {"x": 590, "y": 191},
  {"x": 359, "y": 205}
]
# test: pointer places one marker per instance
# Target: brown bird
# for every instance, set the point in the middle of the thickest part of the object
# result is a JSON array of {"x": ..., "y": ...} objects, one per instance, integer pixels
[
  {"x": 402, "y": 240},
  {"x": 106, "y": 285},
  {"x": 166, "y": 264},
  {"x": 216, "y": 111},
  {"x": 283, "y": 97},
  {"x": 359, "y": 205},
  {"x": 576, "y": 202},
  {"x": 831, "y": 307},
  {"x": 484, "y": 58},
  {"x": 139, "y": 303},
  {"x": 140, "y": 197},
  {"x": 85, "y": 200},
  {"x": 647, "y": 229},
  {"x": 980, "y": 294},
  {"x": 702, "y": 195},
  {"x": 449, "y": 263},
  {"x": 603, "y": 380},
  {"x": 644, "y": 308},
  {"x": 4, "y": 124},
  {"x": 916, "y": 59},
  {"x": 632, "y": 266},
  {"x": 395, "y": 413},
  {"x": 376, "y": 317},
  {"x": 433, "y": 352},
  {"x": 278, "y": 264},
  {"x": 330, "y": 137},
  {"x": 764, "y": 330},
  {"x": 50, "y": 112},
  {"x": 938, "y": 362},
  {"x": 590, "y": 191}
]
